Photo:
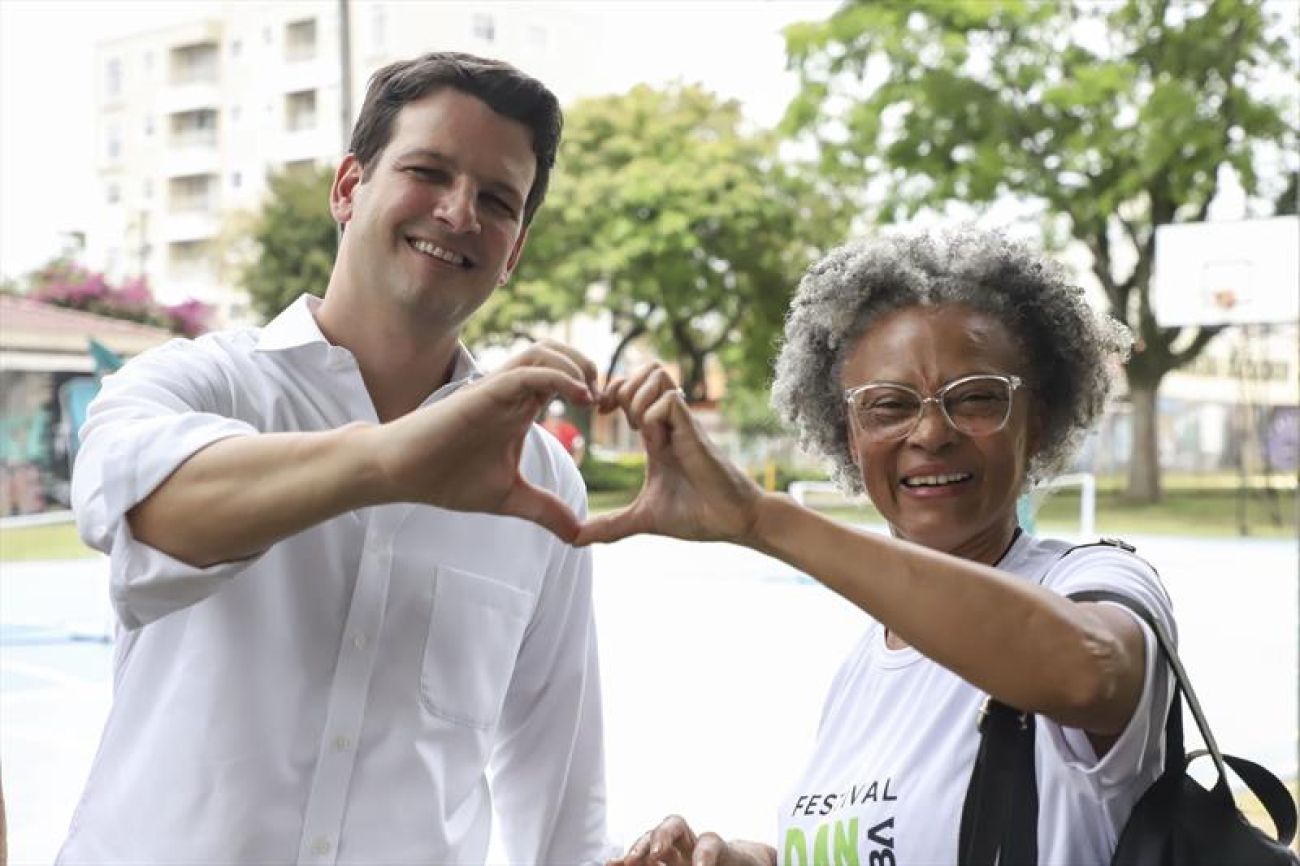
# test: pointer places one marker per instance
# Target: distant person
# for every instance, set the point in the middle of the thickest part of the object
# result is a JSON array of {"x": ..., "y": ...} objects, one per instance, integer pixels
[
  {"x": 941, "y": 375},
  {"x": 565, "y": 430},
  {"x": 312, "y": 664}
]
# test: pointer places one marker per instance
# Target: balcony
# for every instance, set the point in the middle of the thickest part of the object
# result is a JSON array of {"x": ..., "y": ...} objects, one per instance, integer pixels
[
  {"x": 199, "y": 63},
  {"x": 178, "y": 162},
  {"x": 180, "y": 98},
  {"x": 190, "y": 227}
]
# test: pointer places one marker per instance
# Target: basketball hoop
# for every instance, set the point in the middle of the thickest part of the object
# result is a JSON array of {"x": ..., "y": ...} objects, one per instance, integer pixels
[{"x": 1224, "y": 299}]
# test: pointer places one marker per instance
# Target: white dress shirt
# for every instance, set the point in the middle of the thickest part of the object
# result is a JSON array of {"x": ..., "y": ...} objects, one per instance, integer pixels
[{"x": 339, "y": 698}]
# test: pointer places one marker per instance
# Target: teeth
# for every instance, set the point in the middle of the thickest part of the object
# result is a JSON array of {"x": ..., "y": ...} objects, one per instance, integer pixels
[
  {"x": 935, "y": 480},
  {"x": 438, "y": 252}
]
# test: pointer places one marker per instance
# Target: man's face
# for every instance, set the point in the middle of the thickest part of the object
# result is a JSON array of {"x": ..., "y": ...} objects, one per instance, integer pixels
[{"x": 436, "y": 222}]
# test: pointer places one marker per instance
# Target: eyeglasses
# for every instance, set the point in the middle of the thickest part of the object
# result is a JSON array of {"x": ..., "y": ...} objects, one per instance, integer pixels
[{"x": 976, "y": 405}]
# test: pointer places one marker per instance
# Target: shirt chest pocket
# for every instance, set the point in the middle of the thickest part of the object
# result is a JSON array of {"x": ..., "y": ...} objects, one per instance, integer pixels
[{"x": 475, "y": 630}]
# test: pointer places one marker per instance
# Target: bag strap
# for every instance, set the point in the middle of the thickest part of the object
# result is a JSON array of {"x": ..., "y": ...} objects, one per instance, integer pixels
[
  {"x": 1175, "y": 665},
  {"x": 1270, "y": 791},
  {"x": 999, "y": 819},
  {"x": 1267, "y": 788},
  {"x": 990, "y": 823}
]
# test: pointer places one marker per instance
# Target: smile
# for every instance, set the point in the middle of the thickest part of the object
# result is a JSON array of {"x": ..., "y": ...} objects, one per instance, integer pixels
[
  {"x": 936, "y": 480},
  {"x": 444, "y": 255}
]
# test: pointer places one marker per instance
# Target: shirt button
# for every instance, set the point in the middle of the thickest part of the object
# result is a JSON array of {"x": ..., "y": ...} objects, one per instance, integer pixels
[
  {"x": 321, "y": 846},
  {"x": 359, "y": 641},
  {"x": 342, "y": 743}
]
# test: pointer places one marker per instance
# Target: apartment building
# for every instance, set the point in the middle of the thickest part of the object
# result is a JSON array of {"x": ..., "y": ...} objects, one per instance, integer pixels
[{"x": 191, "y": 118}]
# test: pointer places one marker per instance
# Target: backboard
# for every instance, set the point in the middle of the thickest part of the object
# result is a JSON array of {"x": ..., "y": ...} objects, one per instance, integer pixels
[{"x": 1244, "y": 272}]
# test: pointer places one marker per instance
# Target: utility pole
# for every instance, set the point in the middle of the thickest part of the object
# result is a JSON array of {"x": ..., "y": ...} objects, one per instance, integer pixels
[{"x": 345, "y": 76}]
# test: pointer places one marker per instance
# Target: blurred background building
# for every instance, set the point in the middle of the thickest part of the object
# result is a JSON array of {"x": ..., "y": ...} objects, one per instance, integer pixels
[{"x": 192, "y": 117}]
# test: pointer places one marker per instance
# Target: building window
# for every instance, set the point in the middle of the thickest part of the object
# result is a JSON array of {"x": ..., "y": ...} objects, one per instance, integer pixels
[
  {"x": 196, "y": 128},
  {"x": 195, "y": 64},
  {"x": 187, "y": 258},
  {"x": 148, "y": 61},
  {"x": 194, "y": 193},
  {"x": 300, "y": 110},
  {"x": 235, "y": 46},
  {"x": 113, "y": 78},
  {"x": 147, "y": 189},
  {"x": 234, "y": 114},
  {"x": 300, "y": 40},
  {"x": 114, "y": 194},
  {"x": 148, "y": 124},
  {"x": 299, "y": 166},
  {"x": 484, "y": 27},
  {"x": 235, "y": 180},
  {"x": 113, "y": 142}
]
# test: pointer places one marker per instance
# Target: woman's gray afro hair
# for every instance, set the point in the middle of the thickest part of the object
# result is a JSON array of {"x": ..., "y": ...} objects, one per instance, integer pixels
[{"x": 1070, "y": 349}]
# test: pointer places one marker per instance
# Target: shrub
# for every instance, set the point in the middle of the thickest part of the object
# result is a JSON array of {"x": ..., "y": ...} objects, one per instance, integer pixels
[{"x": 621, "y": 472}]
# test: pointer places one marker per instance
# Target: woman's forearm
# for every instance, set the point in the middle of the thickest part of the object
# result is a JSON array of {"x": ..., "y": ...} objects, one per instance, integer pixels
[{"x": 1023, "y": 644}]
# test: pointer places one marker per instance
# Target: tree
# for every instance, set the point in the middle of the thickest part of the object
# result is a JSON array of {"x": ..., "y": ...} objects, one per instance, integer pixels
[
  {"x": 1112, "y": 118},
  {"x": 294, "y": 238},
  {"x": 681, "y": 225}
]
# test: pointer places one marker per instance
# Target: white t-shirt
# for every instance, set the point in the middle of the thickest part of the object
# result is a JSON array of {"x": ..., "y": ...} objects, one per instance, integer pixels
[{"x": 898, "y": 739}]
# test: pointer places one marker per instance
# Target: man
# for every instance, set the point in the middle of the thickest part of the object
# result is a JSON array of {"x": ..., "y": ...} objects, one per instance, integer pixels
[{"x": 313, "y": 664}]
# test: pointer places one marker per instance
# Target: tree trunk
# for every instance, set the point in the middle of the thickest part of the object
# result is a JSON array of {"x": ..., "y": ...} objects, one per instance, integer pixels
[
  {"x": 1144, "y": 456},
  {"x": 693, "y": 382}
]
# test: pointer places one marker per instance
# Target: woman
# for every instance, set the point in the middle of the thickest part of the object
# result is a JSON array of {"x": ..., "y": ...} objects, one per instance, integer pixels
[{"x": 941, "y": 376}]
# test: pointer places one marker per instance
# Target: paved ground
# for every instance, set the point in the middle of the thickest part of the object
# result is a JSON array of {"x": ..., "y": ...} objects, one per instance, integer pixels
[{"x": 714, "y": 665}]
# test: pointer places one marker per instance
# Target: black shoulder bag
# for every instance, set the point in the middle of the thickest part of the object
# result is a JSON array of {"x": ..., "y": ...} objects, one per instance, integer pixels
[{"x": 1177, "y": 822}]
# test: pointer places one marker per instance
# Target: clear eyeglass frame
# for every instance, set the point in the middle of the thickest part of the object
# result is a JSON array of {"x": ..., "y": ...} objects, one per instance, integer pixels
[{"x": 853, "y": 398}]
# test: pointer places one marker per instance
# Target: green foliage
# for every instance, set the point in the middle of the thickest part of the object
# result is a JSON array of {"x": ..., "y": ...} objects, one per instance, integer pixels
[
  {"x": 1113, "y": 117},
  {"x": 749, "y": 412},
  {"x": 667, "y": 214},
  {"x": 624, "y": 472},
  {"x": 786, "y": 474},
  {"x": 295, "y": 240}
]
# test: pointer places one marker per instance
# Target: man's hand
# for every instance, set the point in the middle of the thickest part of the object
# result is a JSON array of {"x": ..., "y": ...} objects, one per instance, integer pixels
[
  {"x": 463, "y": 452},
  {"x": 690, "y": 490}
]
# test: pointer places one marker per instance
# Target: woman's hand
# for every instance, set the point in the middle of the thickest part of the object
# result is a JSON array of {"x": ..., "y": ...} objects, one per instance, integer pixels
[
  {"x": 673, "y": 843},
  {"x": 690, "y": 490}
]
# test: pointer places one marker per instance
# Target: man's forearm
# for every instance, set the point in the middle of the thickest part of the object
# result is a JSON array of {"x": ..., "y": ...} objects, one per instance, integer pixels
[{"x": 238, "y": 496}]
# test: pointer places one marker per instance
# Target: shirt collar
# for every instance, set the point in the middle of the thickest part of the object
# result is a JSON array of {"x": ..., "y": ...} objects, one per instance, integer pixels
[{"x": 296, "y": 327}]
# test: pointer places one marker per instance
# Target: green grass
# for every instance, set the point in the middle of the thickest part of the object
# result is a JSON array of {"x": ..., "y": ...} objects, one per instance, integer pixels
[
  {"x": 1183, "y": 511},
  {"x": 1218, "y": 513},
  {"x": 51, "y": 541}
]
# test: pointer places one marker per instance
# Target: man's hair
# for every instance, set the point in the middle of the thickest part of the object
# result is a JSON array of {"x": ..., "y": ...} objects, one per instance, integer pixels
[{"x": 500, "y": 86}]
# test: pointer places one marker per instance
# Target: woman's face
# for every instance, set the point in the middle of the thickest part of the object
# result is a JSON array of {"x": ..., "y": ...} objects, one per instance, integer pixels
[{"x": 937, "y": 486}]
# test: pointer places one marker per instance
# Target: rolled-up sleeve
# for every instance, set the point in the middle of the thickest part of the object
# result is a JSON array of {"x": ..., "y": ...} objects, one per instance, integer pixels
[
  {"x": 147, "y": 420},
  {"x": 1139, "y": 749}
]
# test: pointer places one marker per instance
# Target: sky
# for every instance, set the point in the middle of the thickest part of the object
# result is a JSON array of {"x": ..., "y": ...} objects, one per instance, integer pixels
[{"x": 47, "y": 83}]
